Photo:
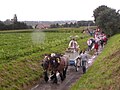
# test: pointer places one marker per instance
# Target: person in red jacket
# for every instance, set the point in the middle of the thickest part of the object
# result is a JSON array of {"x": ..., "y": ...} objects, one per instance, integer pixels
[{"x": 96, "y": 48}]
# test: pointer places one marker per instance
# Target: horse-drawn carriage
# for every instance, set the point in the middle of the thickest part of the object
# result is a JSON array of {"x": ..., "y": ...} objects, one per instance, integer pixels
[
  {"x": 73, "y": 52},
  {"x": 73, "y": 59},
  {"x": 58, "y": 63}
]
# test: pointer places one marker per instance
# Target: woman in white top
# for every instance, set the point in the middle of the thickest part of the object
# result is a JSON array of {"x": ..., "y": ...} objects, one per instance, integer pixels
[{"x": 73, "y": 45}]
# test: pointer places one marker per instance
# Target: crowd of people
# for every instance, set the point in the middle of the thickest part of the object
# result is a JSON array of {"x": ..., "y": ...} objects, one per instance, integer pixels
[
  {"x": 95, "y": 43},
  {"x": 98, "y": 41}
]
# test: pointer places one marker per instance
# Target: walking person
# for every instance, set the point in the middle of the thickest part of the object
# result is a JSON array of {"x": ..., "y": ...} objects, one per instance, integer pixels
[
  {"x": 84, "y": 60},
  {"x": 89, "y": 42},
  {"x": 96, "y": 46}
]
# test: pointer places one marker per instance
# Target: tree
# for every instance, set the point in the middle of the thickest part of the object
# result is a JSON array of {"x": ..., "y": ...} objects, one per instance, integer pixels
[
  {"x": 66, "y": 25},
  {"x": 2, "y": 25},
  {"x": 15, "y": 19},
  {"x": 107, "y": 19},
  {"x": 57, "y": 25},
  {"x": 20, "y": 25},
  {"x": 71, "y": 25},
  {"x": 97, "y": 11}
]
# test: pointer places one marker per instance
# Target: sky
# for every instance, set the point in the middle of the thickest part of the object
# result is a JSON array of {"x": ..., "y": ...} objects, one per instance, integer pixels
[{"x": 52, "y": 10}]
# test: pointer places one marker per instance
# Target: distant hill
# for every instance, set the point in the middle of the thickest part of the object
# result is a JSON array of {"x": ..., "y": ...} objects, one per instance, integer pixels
[
  {"x": 34, "y": 23},
  {"x": 46, "y": 24}
]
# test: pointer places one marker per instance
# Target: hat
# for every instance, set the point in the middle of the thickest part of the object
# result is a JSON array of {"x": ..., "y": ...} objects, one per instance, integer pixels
[{"x": 52, "y": 54}]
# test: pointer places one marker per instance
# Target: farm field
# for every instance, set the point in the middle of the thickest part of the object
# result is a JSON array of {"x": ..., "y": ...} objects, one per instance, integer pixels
[{"x": 21, "y": 52}]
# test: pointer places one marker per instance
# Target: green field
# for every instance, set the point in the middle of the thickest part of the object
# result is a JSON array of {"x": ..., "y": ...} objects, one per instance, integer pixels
[
  {"x": 21, "y": 52},
  {"x": 104, "y": 74}
]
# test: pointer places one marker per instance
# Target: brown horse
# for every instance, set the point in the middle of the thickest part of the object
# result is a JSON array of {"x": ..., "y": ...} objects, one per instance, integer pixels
[{"x": 55, "y": 64}]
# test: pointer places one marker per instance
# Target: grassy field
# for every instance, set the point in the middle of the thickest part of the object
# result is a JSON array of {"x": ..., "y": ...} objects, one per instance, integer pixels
[
  {"x": 104, "y": 74},
  {"x": 21, "y": 52}
]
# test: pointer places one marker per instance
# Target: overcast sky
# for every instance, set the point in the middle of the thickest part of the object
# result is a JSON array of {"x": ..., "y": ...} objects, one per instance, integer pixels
[{"x": 52, "y": 10}]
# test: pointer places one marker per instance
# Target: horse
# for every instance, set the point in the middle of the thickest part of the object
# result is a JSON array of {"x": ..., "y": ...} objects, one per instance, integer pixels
[{"x": 55, "y": 64}]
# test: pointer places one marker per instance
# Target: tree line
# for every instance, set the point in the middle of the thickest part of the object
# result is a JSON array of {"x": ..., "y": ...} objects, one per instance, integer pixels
[
  {"x": 71, "y": 24},
  {"x": 13, "y": 24},
  {"x": 107, "y": 19}
]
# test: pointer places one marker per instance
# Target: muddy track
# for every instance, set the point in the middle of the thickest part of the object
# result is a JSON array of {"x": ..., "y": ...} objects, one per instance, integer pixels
[{"x": 71, "y": 77}]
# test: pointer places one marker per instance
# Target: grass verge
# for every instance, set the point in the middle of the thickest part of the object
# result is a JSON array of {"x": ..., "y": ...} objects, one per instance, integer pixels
[{"x": 104, "y": 74}]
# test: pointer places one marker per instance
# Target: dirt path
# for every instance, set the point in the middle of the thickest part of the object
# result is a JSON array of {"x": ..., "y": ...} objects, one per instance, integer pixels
[{"x": 71, "y": 77}]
